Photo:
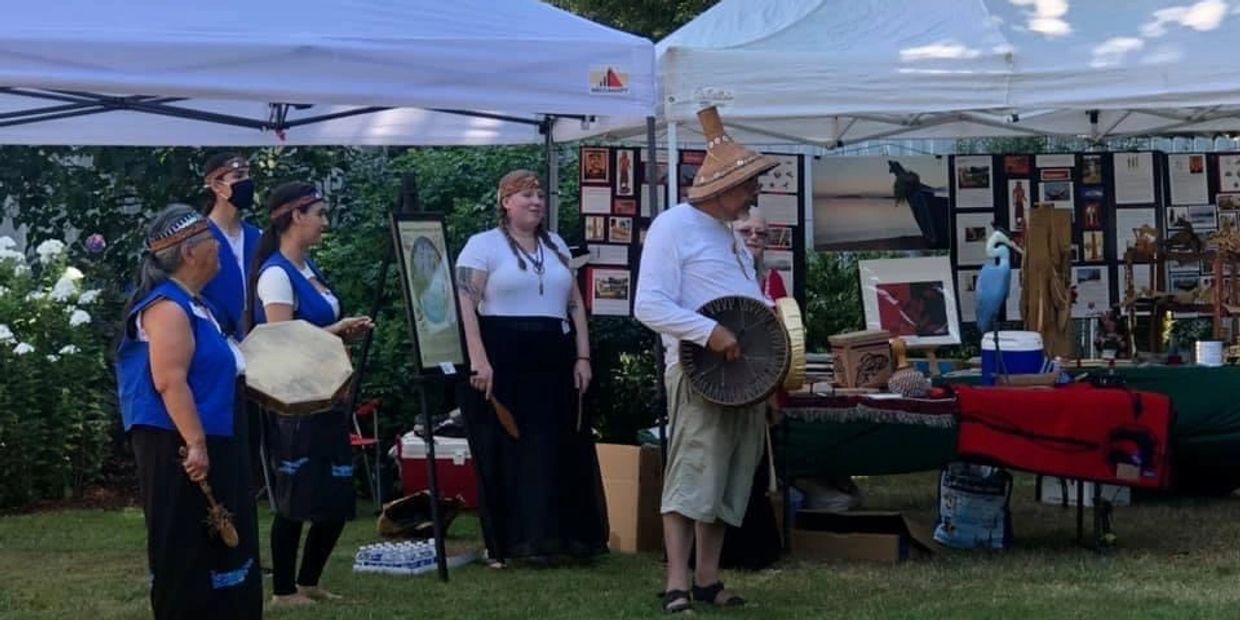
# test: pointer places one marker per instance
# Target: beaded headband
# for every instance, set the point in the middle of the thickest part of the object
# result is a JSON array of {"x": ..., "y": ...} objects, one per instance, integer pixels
[
  {"x": 297, "y": 203},
  {"x": 235, "y": 163},
  {"x": 189, "y": 225}
]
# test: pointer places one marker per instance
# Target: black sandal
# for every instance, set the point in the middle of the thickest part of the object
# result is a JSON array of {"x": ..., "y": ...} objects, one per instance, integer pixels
[
  {"x": 670, "y": 604},
  {"x": 709, "y": 594}
]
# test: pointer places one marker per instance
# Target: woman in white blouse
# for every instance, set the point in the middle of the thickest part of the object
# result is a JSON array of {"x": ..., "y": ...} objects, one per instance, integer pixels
[
  {"x": 529, "y": 350},
  {"x": 310, "y": 461}
]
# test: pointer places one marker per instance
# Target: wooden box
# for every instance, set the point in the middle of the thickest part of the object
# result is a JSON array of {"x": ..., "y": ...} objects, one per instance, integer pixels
[{"x": 862, "y": 359}]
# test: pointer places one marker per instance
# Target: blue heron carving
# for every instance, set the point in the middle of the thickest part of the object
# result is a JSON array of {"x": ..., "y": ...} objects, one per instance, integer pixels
[{"x": 994, "y": 284}]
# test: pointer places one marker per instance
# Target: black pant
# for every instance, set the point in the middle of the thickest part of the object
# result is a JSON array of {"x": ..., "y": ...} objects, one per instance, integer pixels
[
  {"x": 285, "y": 538},
  {"x": 194, "y": 574}
]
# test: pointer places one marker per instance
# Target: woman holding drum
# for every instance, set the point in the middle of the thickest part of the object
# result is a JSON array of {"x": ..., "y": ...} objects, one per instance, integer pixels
[{"x": 309, "y": 456}]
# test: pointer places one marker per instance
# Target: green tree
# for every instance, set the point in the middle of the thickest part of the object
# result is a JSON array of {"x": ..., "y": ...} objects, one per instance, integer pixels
[{"x": 653, "y": 19}]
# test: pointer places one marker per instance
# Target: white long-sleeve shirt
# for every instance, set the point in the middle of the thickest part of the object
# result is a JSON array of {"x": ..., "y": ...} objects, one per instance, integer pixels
[{"x": 689, "y": 259}]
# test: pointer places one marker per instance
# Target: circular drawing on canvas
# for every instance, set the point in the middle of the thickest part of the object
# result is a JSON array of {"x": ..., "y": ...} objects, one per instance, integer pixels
[{"x": 430, "y": 284}]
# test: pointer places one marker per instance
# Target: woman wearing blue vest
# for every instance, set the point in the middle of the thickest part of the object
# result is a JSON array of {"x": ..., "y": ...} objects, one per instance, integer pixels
[
  {"x": 309, "y": 457},
  {"x": 178, "y": 377}
]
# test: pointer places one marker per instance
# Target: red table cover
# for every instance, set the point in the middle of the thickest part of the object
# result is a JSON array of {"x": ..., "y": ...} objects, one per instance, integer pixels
[{"x": 1107, "y": 435}]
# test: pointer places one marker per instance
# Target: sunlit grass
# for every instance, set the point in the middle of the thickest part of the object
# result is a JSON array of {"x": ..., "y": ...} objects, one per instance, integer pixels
[{"x": 1175, "y": 559}]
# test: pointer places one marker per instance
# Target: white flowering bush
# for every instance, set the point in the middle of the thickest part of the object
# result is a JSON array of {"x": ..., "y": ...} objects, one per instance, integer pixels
[{"x": 56, "y": 390}]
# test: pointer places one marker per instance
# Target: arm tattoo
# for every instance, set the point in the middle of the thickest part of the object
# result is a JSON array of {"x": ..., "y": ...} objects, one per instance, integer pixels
[{"x": 471, "y": 281}]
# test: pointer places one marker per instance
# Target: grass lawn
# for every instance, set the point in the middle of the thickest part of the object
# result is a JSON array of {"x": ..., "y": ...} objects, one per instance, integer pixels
[{"x": 1175, "y": 559}]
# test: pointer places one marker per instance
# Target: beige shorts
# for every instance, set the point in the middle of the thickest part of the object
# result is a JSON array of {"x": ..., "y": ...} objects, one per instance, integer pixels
[{"x": 712, "y": 454}]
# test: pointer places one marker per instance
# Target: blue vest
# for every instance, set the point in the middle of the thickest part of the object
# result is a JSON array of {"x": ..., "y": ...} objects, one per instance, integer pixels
[
  {"x": 212, "y": 371},
  {"x": 226, "y": 291},
  {"x": 311, "y": 307}
]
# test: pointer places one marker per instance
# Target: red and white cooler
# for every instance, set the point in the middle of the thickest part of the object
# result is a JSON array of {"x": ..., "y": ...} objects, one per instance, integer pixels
[{"x": 452, "y": 462}]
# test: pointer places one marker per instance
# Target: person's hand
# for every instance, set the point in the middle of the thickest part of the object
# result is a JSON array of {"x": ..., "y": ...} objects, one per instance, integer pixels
[
  {"x": 724, "y": 343},
  {"x": 352, "y": 327},
  {"x": 582, "y": 375},
  {"x": 482, "y": 377},
  {"x": 196, "y": 463}
]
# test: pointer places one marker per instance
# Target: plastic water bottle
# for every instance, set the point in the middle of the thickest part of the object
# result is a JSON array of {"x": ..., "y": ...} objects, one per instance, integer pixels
[
  {"x": 387, "y": 559},
  {"x": 428, "y": 554}
]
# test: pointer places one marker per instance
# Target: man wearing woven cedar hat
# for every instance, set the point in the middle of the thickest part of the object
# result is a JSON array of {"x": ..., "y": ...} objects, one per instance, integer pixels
[{"x": 691, "y": 257}]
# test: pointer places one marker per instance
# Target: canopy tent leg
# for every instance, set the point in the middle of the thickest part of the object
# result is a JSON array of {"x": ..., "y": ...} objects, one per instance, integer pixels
[
  {"x": 673, "y": 165},
  {"x": 652, "y": 195},
  {"x": 553, "y": 175}
]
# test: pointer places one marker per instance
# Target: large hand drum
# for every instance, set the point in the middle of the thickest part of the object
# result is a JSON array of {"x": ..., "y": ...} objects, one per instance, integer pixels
[
  {"x": 295, "y": 368},
  {"x": 767, "y": 353}
]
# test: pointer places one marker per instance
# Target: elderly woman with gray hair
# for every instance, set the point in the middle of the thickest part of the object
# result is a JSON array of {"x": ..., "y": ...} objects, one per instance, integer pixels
[
  {"x": 752, "y": 229},
  {"x": 180, "y": 401}
]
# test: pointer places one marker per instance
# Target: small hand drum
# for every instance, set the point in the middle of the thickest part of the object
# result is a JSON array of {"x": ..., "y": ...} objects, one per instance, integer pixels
[
  {"x": 295, "y": 368},
  {"x": 766, "y": 354},
  {"x": 790, "y": 316}
]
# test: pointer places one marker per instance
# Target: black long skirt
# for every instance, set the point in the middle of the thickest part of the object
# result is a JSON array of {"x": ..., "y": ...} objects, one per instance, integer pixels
[
  {"x": 311, "y": 465},
  {"x": 541, "y": 494},
  {"x": 193, "y": 573}
]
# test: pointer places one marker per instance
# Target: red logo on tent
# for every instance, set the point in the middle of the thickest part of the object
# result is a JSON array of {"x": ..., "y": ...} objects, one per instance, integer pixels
[{"x": 608, "y": 80}]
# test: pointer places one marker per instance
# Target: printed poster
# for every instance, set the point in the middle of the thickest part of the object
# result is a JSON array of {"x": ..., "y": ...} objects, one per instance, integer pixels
[
  {"x": 974, "y": 183},
  {"x": 1134, "y": 178},
  {"x": 1188, "y": 179}
]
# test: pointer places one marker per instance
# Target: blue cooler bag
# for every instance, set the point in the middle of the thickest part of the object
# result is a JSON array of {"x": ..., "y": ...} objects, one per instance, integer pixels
[{"x": 974, "y": 507}]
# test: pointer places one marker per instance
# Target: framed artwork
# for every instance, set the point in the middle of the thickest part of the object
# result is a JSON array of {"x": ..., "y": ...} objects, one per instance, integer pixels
[
  {"x": 610, "y": 291},
  {"x": 624, "y": 206},
  {"x": 1016, "y": 165},
  {"x": 595, "y": 166},
  {"x": 596, "y": 228},
  {"x": 620, "y": 230},
  {"x": 913, "y": 298},
  {"x": 625, "y": 173},
  {"x": 429, "y": 286}
]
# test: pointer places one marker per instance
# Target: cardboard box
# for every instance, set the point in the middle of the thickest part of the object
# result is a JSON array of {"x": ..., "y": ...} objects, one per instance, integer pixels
[
  {"x": 862, "y": 535},
  {"x": 1052, "y": 490},
  {"x": 633, "y": 484}
]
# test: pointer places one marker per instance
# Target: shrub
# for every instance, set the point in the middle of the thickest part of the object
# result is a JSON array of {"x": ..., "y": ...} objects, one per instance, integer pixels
[{"x": 55, "y": 388}]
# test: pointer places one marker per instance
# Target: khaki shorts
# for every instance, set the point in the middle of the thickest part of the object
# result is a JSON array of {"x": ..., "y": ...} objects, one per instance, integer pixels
[{"x": 712, "y": 454}]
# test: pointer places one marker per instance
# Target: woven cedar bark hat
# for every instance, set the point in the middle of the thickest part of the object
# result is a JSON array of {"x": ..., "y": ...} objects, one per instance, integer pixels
[{"x": 728, "y": 163}]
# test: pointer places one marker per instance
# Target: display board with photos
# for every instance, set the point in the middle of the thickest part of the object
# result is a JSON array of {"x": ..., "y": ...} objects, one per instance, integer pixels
[
  {"x": 1110, "y": 196},
  {"x": 616, "y": 213}
]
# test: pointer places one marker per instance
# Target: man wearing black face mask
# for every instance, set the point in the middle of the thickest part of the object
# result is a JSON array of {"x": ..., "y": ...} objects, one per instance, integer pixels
[
  {"x": 231, "y": 193},
  {"x": 227, "y": 180}
]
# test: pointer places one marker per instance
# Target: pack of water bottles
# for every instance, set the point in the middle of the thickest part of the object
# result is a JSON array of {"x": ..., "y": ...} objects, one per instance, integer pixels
[{"x": 396, "y": 558}]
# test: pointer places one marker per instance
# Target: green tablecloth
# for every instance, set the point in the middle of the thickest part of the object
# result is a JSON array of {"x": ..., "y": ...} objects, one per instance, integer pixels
[
  {"x": 1206, "y": 436},
  {"x": 827, "y": 437}
]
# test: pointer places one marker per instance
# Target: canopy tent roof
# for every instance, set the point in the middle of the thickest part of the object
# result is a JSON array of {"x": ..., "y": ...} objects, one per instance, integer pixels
[
  {"x": 232, "y": 72},
  {"x": 832, "y": 72}
]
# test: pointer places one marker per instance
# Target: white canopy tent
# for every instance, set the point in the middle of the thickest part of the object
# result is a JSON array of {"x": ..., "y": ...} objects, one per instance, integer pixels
[
  {"x": 827, "y": 73},
  {"x": 326, "y": 72},
  {"x": 361, "y": 72}
]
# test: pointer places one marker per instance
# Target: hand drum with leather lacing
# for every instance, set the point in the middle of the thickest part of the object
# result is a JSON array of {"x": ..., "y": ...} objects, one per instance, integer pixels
[
  {"x": 295, "y": 368},
  {"x": 766, "y": 353}
]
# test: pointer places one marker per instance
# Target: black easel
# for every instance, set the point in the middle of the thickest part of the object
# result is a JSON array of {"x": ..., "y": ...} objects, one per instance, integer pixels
[{"x": 407, "y": 202}]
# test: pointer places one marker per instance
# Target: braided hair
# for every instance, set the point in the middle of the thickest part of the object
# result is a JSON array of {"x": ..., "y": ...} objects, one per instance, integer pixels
[{"x": 512, "y": 183}]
